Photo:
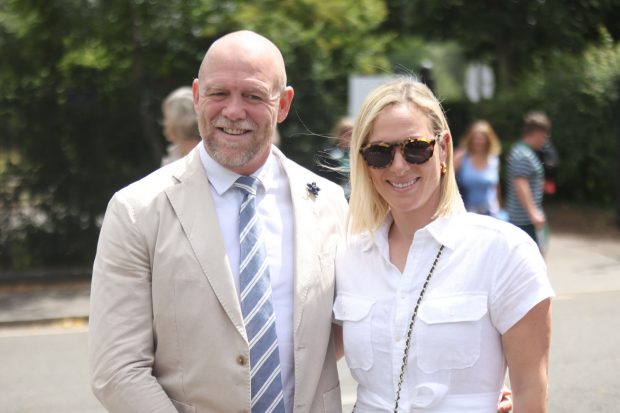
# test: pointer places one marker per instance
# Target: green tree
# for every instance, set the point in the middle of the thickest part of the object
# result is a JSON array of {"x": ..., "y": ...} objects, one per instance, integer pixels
[
  {"x": 81, "y": 82},
  {"x": 508, "y": 34}
]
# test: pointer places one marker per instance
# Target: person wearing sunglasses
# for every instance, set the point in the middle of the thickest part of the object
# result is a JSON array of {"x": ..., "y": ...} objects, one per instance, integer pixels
[{"x": 435, "y": 303}]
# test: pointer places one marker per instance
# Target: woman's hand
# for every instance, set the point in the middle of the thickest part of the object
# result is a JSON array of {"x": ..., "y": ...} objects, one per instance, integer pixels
[{"x": 505, "y": 402}]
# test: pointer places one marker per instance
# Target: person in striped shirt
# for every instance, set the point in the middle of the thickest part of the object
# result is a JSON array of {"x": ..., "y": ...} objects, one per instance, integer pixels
[{"x": 525, "y": 176}]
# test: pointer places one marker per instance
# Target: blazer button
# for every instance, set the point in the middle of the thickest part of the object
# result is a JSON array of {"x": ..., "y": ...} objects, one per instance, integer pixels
[{"x": 242, "y": 360}]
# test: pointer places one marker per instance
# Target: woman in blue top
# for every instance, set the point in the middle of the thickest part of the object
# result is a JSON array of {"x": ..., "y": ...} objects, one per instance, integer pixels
[{"x": 477, "y": 165}]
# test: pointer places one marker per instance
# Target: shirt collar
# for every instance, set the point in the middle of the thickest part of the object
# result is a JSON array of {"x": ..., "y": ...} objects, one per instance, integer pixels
[
  {"x": 223, "y": 179},
  {"x": 447, "y": 228},
  {"x": 444, "y": 230}
]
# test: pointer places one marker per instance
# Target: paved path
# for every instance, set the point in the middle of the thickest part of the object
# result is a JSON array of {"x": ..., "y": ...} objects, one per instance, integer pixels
[{"x": 44, "y": 302}]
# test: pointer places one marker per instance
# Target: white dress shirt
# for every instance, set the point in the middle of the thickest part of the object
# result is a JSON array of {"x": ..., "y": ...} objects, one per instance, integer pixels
[
  {"x": 275, "y": 210},
  {"x": 489, "y": 276}
]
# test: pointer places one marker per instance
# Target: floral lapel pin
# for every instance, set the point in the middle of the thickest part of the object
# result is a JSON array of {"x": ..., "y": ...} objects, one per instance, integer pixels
[{"x": 313, "y": 189}]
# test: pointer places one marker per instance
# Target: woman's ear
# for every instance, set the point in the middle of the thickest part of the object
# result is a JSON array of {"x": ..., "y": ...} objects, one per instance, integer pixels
[{"x": 444, "y": 143}]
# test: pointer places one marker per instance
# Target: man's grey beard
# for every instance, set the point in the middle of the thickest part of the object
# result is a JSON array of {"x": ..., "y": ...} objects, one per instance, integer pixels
[{"x": 241, "y": 156}]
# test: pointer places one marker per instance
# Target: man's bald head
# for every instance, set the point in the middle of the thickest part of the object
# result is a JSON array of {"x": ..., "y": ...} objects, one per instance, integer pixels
[{"x": 250, "y": 47}]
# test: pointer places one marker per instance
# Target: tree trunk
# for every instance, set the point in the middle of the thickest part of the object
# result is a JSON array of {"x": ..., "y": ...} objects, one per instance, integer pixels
[{"x": 151, "y": 137}]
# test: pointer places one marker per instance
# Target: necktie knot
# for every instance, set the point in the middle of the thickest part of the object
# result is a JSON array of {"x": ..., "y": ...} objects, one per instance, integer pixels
[{"x": 247, "y": 184}]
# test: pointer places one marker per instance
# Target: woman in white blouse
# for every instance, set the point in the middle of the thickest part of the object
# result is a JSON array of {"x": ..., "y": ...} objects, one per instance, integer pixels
[{"x": 476, "y": 287}]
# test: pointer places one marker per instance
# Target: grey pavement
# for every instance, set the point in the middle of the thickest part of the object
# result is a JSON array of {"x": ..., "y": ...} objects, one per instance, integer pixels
[{"x": 44, "y": 302}]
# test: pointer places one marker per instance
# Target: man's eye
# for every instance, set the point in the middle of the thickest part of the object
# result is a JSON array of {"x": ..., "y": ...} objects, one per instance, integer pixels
[
  {"x": 215, "y": 93},
  {"x": 255, "y": 97}
]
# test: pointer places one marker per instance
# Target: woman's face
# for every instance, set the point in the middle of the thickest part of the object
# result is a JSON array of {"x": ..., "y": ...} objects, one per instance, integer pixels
[
  {"x": 479, "y": 141},
  {"x": 406, "y": 187}
]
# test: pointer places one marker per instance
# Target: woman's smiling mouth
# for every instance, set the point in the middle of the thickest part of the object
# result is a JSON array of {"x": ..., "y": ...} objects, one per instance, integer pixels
[{"x": 403, "y": 185}]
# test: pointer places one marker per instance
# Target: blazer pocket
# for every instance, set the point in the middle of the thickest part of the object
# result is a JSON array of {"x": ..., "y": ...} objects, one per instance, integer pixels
[
  {"x": 356, "y": 316},
  {"x": 331, "y": 400},
  {"x": 449, "y": 332},
  {"x": 183, "y": 407}
]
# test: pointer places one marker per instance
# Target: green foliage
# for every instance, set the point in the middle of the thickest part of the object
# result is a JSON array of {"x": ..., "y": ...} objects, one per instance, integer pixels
[
  {"x": 81, "y": 83},
  {"x": 408, "y": 54},
  {"x": 581, "y": 95},
  {"x": 510, "y": 34}
]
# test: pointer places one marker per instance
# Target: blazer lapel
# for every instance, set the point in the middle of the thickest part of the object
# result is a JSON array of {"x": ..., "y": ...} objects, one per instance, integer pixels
[
  {"x": 193, "y": 204},
  {"x": 306, "y": 257}
]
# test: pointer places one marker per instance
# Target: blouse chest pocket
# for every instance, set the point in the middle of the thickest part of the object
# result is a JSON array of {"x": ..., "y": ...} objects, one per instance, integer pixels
[
  {"x": 449, "y": 333},
  {"x": 356, "y": 316}
]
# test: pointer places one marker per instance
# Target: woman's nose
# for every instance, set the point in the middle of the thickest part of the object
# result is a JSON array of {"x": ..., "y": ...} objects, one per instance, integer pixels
[{"x": 399, "y": 163}]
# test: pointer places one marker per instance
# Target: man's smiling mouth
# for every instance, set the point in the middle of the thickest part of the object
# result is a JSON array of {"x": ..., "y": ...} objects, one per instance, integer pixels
[{"x": 233, "y": 131}]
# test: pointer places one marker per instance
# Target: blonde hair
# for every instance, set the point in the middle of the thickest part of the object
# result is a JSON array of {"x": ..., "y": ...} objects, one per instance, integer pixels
[
  {"x": 494, "y": 147},
  {"x": 367, "y": 209},
  {"x": 179, "y": 114}
]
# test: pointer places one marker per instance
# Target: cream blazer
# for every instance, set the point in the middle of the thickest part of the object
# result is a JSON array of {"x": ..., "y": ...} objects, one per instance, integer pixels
[{"x": 166, "y": 332}]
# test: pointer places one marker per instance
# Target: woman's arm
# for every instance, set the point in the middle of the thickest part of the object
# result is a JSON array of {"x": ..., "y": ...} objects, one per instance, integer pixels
[
  {"x": 526, "y": 346},
  {"x": 337, "y": 331}
]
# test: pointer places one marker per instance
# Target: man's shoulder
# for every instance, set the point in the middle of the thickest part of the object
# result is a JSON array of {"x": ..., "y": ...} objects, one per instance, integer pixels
[
  {"x": 153, "y": 185},
  {"x": 521, "y": 154},
  {"x": 521, "y": 149}
]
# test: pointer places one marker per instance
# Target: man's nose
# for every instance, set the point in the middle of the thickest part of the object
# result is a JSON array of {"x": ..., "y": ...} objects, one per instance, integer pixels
[{"x": 234, "y": 108}]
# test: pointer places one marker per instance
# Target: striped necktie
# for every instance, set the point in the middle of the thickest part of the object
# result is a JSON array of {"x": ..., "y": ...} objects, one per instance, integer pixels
[{"x": 256, "y": 306}]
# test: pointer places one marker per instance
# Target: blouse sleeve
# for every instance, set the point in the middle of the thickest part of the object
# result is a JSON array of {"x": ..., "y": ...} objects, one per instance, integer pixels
[{"x": 520, "y": 284}]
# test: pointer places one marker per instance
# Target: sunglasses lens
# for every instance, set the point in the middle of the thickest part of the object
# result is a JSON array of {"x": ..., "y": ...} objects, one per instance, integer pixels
[
  {"x": 418, "y": 151},
  {"x": 378, "y": 156}
]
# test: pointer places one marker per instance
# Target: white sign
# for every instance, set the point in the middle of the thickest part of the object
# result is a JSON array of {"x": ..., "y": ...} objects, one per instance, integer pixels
[
  {"x": 479, "y": 82},
  {"x": 360, "y": 87}
]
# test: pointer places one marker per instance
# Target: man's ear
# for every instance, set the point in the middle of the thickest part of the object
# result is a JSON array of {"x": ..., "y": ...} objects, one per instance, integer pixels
[
  {"x": 195, "y": 92},
  {"x": 284, "y": 103}
]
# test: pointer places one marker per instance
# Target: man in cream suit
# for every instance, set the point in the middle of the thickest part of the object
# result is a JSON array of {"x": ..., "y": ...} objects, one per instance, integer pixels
[{"x": 166, "y": 329}]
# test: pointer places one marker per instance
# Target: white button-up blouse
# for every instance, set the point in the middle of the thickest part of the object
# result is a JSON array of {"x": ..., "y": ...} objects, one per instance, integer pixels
[{"x": 488, "y": 277}]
